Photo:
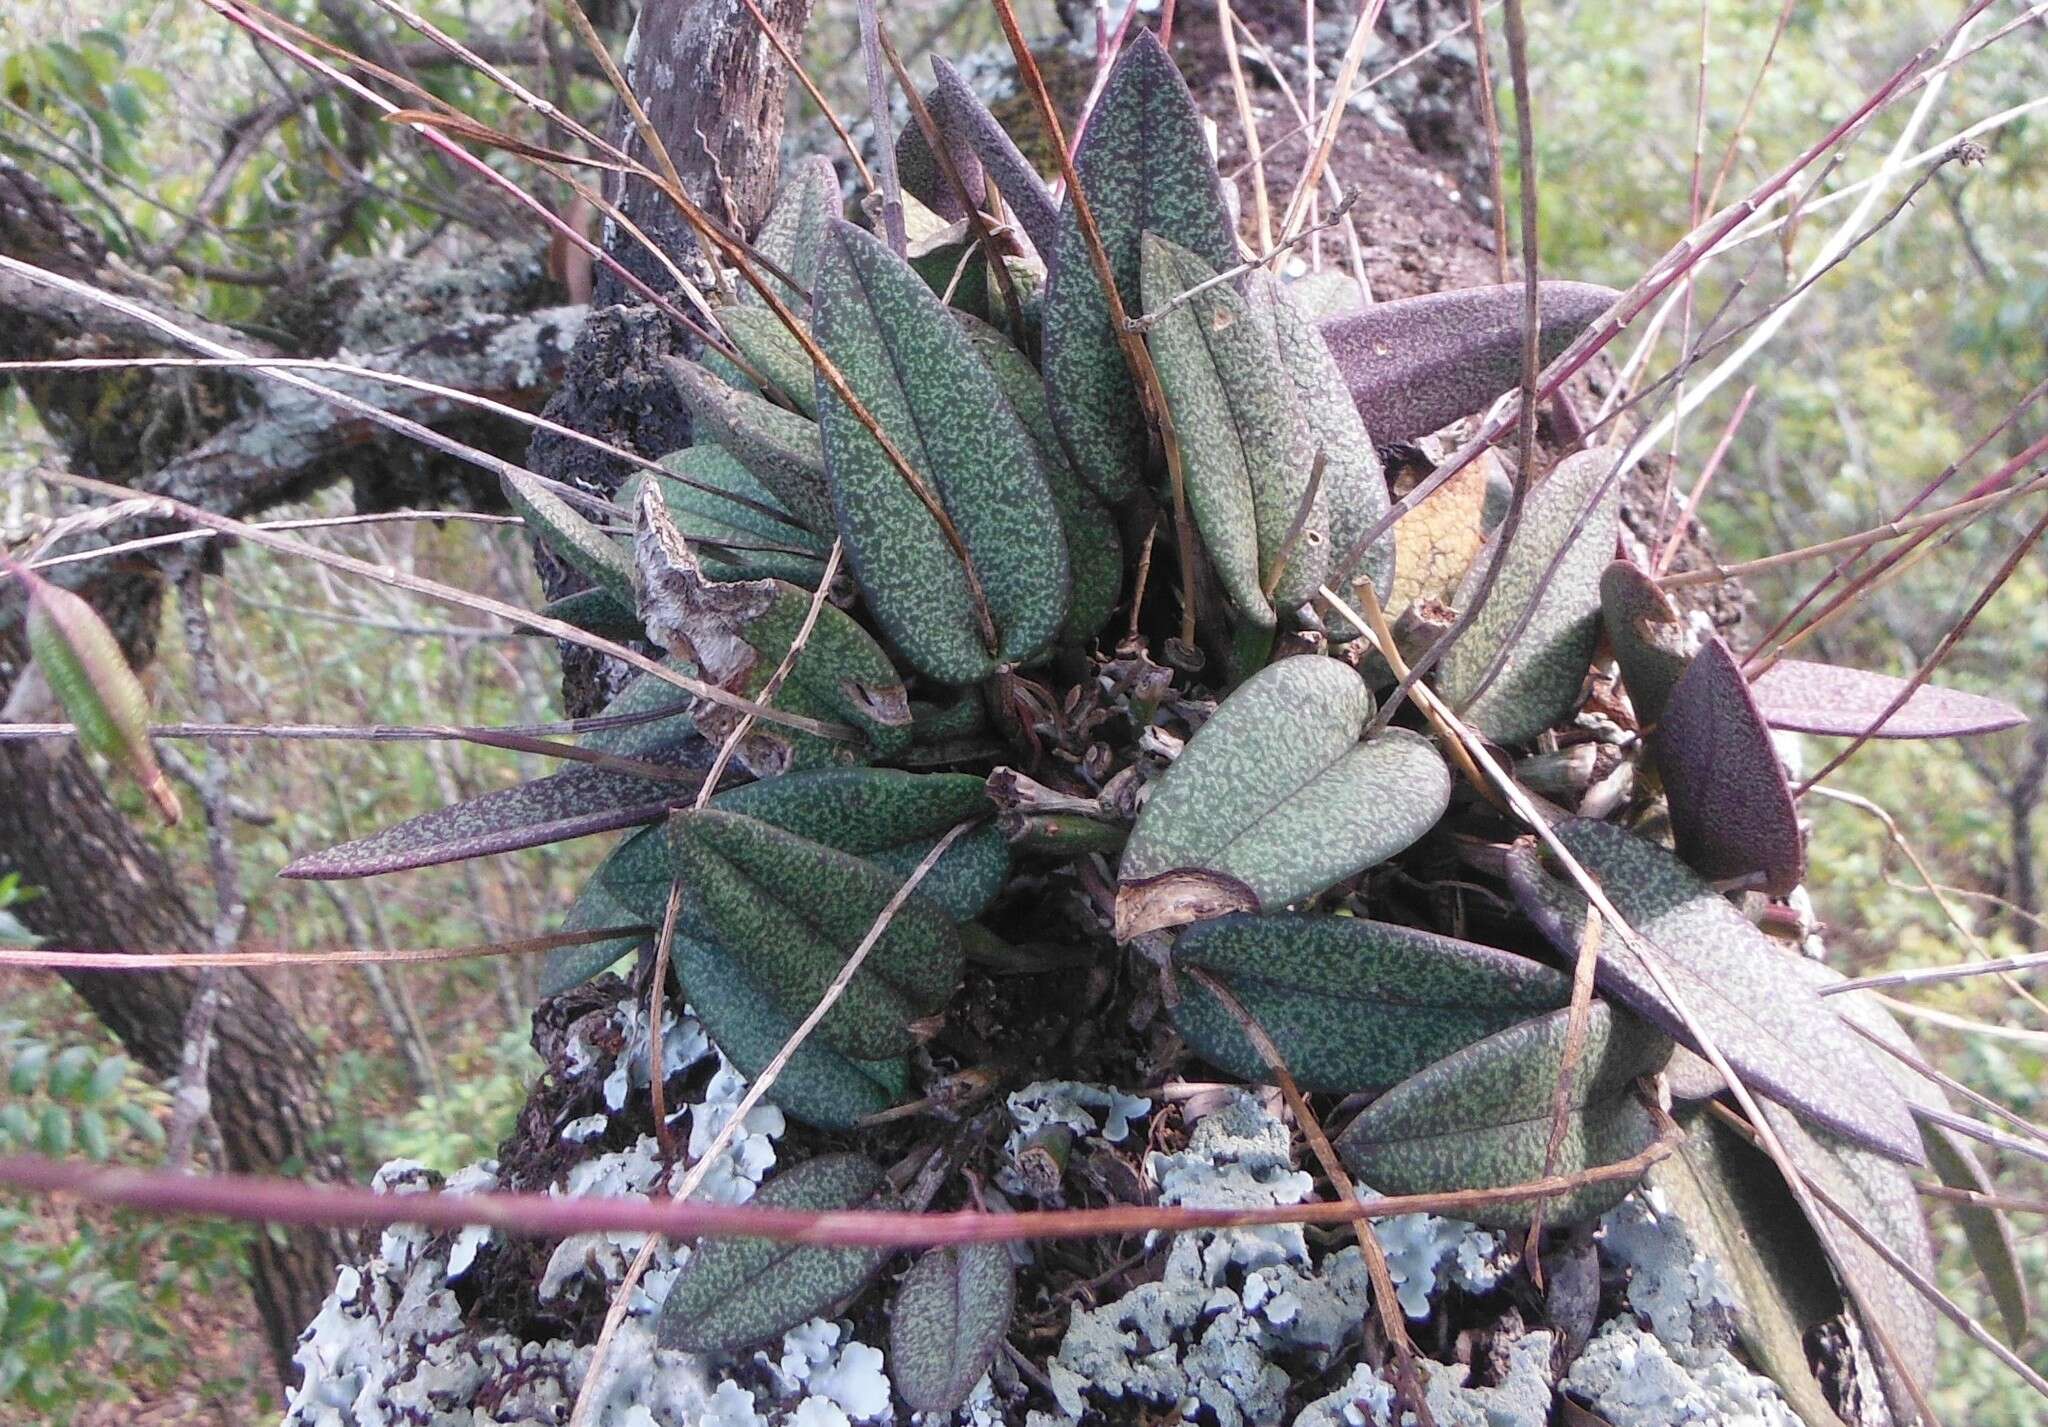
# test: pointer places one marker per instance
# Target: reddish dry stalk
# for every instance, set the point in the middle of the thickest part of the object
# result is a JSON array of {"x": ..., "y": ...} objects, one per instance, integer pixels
[
  {"x": 1676, "y": 534},
  {"x": 1489, "y": 119},
  {"x": 1584, "y": 971}
]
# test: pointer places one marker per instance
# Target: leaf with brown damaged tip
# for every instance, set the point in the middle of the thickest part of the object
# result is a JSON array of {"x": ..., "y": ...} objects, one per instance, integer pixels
[
  {"x": 1417, "y": 364},
  {"x": 1732, "y": 814},
  {"x": 739, "y": 631},
  {"x": 1651, "y": 640}
]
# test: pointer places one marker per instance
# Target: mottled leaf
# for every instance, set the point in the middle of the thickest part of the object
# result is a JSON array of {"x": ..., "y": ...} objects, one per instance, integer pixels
[
  {"x": 949, "y": 1318},
  {"x": 733, "y": 1293},
  {"x": 748, "y": 538},
  {"x": 605, "y": 562},
  {"x": 577, "y": 802},
  {"x": 959, "y": 113},
  {"x": 647, "y": 693},
  {"x": 1737, "y": 983},
  {"x": 791, "y": 911},
  {"x": 1480, "y": 1118},
  {"x": 760, "y": 336},
  {"x": 1880, "y": 1194},
  {"x": 1095, "y": 551},
  {"x": 1417, "y": 364},
  {"x": 1437, "y": 541},
  {"x": 1545, "y": 606},
  {"x": 1243, "y": 446},
  {"x": 1651, "y": 641},
  {"x": 922, "y": 177},
  {"x": 779, "y": 448},
  {"x": 598, "y": 613},
  {"x": 629, "y": 888},
  {"x": 740, "y": 631},
  {"x": 794, "y": 230},
  {"x": 918, "y": 375},
  {"x": 1826, "y": 698},
  {"x": 891, "y": 818},
  {"x": 817, "y": 1085},
  {"x": 1354, "y": 484},
  {"x": 82, "y": 662},
  {"x": 1351, "y": 1004},
  {"x": 1275, "y": 795},
  {"x": 1732, "y": 814},
  {"x": 1144, "y": 164},
  {"x": 1742, "y": 1220}
]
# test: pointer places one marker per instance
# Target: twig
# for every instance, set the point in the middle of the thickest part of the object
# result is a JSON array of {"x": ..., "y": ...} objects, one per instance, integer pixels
[
  {"x": 1584, "y": 971},
  {"x": 42, "y": 959},
  {"x": 1691, "y": 509},
  {"x": 1262, "y": 203},
  {"x": 1333, "y": 116},
  {"x": 1927, "y": 975},
  {"x": 1489, "y": 119},
  {"x": 810, "y": 87}
]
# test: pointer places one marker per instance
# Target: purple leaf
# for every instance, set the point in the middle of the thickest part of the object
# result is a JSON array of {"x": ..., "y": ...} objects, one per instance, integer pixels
[
  {"x": 918, "y": 170},
  {"x": 1748, "y": 993},
  {"x": 959, "y": 114},
  {"x": 1731, "y": 808},
  {"x": 1416, "y": 365},
  {"x": 575, "y": 803},
  {"x": 1649, "y": 637},
  {"x": 1827, "y": 698}
]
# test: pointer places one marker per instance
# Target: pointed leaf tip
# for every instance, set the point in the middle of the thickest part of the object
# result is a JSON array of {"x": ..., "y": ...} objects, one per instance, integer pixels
[{"x": 1804, "y": 697}]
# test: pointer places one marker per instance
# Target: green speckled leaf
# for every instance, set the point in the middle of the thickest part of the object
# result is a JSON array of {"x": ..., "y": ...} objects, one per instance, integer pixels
[
  {"x": 891, "y": 818},
  {"x": 762, "y": 339},
  {"x": 750, "y": 538},
  {"x": 1094, "y": 549},
  {"x": 791, "y": 911},
  {"x": 1144, "y": 163},
  {"x": 1275, "y": 799},
  {"x": 630, "y": 887},
  {"x": 644, "y": 693},
  {"x": 1650, "y": 638},
  {"x": 1351, "y": 1004},
  {"x": 947, "y": 1322},
  {"x": 1739, "y": 1215},
  {"x": 1354, "y": 484},
  {"x": 1418, "y": 364},
  {"x": 819, "y": 1086},
  {"x": 733, "y": 1293},
  {"x": 1732, "y": 815},
  {"x": 1880, "y": 1194},
  {"x": 1480, "y": 1118},
  {"x": 918, "y": 375},
  {"x": 1539, "y": 683},
  {"x": 1243, "y": 447},
  {"x": 1744, "y": 989},
  {"x": 605, "y": 562},
  {"x": 794, "y": 230},
  {"x": 779, "y": 448},
  {"x": 598, "y": 613}
]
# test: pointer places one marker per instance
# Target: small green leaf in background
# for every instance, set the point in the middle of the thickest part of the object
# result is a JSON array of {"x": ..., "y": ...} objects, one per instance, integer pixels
[
  {"x": 759, "y": 336},
  {"x": 1732, "y": 814},
  {"x": 1243, "y": 447},
  {"x": 750, "y": 538},
  {"x": 629, "y": 888},
  {"x": 917, "y": 374},
  {"x": 793, "y": 233},
  {"x": 791, "y": 911},
  {"x": 949, "y": 1318},
  {"x": 1144, "y": 163},
  {"x": 1651, "y": 642},
  {"x": 82, "y": 662},
  {"x": 1350, "y": 1004},
  {"x": 733, "y": 1293},
  {"x": 605, "y": 562},
  {"x": 1480, "y": 1118},
  {"x": 1549, "y": 587},
  {"x": 779, "y": 449},
  {"x": 1354, "y": 483},
  {"x": 1275, "y": 799},
  {"x": 1746, "y": 991}
]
